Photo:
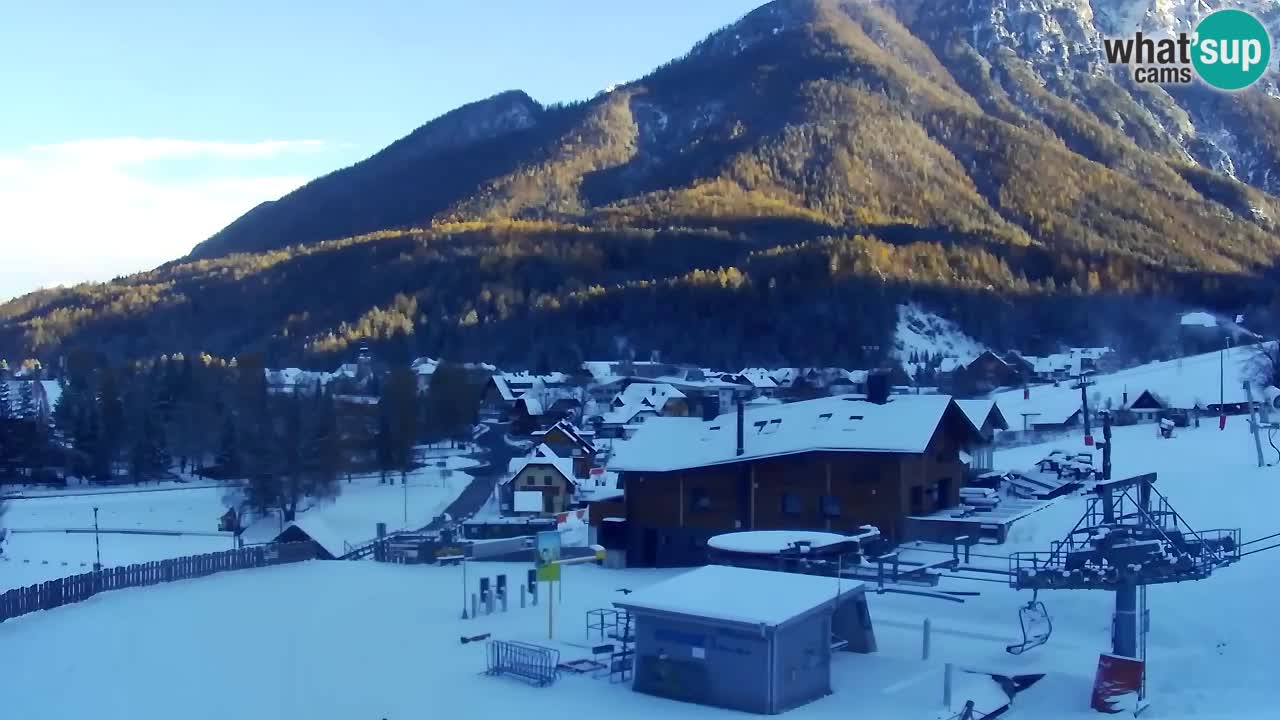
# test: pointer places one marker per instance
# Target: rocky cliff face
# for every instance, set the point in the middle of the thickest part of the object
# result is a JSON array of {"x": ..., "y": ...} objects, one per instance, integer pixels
[{"x": 1061, "y": 42}]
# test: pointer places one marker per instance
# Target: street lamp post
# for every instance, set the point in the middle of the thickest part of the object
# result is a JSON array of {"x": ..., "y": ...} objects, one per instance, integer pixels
[{"x": 97, "y": 546}]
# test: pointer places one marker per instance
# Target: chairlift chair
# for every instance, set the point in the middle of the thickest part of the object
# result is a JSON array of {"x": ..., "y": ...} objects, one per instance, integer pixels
[{"x": 1036, "y": 626}]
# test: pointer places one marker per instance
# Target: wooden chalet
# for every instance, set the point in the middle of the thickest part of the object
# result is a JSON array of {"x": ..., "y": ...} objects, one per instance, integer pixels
[{"x": 832, "y": 464}]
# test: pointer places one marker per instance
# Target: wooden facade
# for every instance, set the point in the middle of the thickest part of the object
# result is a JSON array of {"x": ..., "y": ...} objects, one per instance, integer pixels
[{"x": 670, "y": 515}]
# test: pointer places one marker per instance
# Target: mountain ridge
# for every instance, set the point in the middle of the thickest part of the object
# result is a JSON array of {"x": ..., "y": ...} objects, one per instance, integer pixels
[{"x": 815, "y": 152}]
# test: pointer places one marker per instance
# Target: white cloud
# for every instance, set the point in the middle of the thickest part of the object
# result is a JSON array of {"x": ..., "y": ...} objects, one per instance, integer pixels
[{"x": 87, "y": 210}]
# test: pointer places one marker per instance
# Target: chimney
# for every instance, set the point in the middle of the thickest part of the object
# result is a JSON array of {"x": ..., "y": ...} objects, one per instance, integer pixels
[
  {"x": 710, "y": 407},
  {"x": 742, "y": 420},
  {"x": 878, "y": 387}
]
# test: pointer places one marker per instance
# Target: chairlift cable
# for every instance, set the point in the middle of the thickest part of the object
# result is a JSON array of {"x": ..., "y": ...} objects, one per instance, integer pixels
[
  {"x": 1255, "y": 541},
  {"x": 1251, "y": 552}
]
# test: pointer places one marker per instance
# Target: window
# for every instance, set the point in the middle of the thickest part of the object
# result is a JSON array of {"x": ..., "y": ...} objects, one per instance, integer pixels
[
  {"x": 530, "y": 480},
  {"x": 791, "y": 504},
  {"x": 620, "y": 484},
  {"x": 546, "y": 480},
  {"x": 830, "y": 506},
  {"x": 917, "y": 500},
  {"x": 699, "y": 500}
]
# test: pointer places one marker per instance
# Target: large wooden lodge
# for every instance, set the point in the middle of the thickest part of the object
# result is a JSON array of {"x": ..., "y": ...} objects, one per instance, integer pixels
[{"x": 832, "y": 464}]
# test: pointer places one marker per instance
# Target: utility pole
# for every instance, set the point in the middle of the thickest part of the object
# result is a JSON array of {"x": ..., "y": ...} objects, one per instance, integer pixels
[
  {"x": 1106, "y": 445},
  {"x": 1222, "y": 387},
  {"x": 1255, "y": 427},
  {"x": 1084, "y": 406}
]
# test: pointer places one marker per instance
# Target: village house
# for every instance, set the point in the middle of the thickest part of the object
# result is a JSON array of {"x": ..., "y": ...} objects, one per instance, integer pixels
[
  {"x": 541, "y": 407},
  {"x": 542, "y": 484},
  {"x": 983, "y": 374},
  {"x": 567, "y": 441},
  {"x": 637, "y": 403},
  {"x": 503, "y": 389},
  {"x": 832, "y": 464},
  {"x": 849, "y": 382},
  {"x": 761, "y": 380},
  {"x": 984, "y": 415}
]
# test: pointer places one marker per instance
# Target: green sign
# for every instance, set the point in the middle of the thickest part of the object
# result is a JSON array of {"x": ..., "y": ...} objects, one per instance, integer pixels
[{"x": 548, "y": 554}]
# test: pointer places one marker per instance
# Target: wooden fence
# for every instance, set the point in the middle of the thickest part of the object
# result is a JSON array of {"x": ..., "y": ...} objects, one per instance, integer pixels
[{"x": 68, "y": 590}]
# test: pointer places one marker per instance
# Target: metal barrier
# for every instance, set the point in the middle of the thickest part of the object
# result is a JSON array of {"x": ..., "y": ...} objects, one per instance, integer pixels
[{"x": 535, "y": 664}]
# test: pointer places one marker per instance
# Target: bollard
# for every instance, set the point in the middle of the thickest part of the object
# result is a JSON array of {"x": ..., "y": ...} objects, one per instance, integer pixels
[
  {"x": 488, "y": 603},
  {"x": 523, "y": 592},
  {"x": 475, "y": 605},
  {"x": 946, "y": 687},
  {"x": 924, "y": 651},
  {"x": 503, "y": 597}
]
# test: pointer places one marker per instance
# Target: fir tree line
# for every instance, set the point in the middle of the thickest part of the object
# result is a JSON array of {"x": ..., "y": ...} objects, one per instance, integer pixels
[{"x": 185, "y": 417}]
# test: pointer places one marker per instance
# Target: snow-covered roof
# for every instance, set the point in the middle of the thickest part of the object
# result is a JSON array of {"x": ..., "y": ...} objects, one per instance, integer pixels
[
  {"x": 905, "y": 424},
  {"x": 951, "y": 364},
  {"x": 317, "y": 529},
  {"x": 542, "y": 456},
  {"x": 582, "y": 438},
  {"x": 639, "y": 398},
  {"x": 538, "y": 400},
  {"x": 636, "y": 392},
  {"x": 698, "y": 384},
  {"x": 1199, "y": 319},
  {"x": 741, "y": 595},
  {"x": 504, "y": 390},
  {"x": 627, "y": 413},
  {"x": 424, "y": 366},
  {"x": 600, "y": 486},
  {"x": 772, "y": 542},
  {"x": 759, "y": 377},
  {"x": 977, "y": 410}
]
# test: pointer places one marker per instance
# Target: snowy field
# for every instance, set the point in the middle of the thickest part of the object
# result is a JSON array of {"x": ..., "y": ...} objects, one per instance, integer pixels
[
  {"x": 362, "y": 640},
  {"x": 32, "y": 557}
]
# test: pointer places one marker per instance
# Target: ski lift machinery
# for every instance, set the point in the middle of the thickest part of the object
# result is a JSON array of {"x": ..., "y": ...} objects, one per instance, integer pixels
[{"x": 1128, "y": 538}]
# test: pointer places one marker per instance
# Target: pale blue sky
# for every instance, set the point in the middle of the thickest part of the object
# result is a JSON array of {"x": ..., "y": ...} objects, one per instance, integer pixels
[{"x": 132, "y": 130}]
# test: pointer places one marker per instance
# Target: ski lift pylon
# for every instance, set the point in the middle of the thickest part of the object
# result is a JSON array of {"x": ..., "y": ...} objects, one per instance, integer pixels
[{"x": 1036, "y": 625}]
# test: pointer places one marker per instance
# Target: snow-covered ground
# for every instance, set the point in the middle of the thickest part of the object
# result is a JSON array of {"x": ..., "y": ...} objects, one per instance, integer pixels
[
  {"x": 346, "y": 640},
  {"x": 32, "y": 557}
]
